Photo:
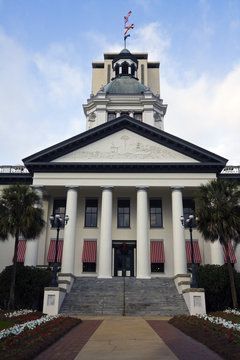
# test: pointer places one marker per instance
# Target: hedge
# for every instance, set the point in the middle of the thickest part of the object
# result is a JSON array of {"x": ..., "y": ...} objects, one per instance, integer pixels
[
  {"x": 29, "y": 289},
  {"x": 215, "y": 280}
]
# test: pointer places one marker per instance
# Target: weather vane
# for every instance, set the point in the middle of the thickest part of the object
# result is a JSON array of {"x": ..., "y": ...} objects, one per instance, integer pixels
[{"x": 127, "y": 28}]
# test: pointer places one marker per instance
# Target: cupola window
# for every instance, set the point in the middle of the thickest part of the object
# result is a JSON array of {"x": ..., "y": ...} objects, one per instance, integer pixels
[{"x": 125, "y": 68}]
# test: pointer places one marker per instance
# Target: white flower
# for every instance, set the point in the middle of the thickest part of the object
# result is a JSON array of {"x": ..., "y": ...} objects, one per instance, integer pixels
[
  {"x": 17, "y": 329},
  {"x": 219, "y": 321},
  {"x": 18, "y": 313},
  {"x": 232, "y": 311}
]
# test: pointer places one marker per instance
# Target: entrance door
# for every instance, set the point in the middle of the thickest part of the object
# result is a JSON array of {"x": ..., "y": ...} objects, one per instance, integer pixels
[{"x": 123, "y": 259}]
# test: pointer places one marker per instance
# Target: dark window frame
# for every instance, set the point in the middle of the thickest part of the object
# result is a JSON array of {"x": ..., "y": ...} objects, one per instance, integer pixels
[
  {"x": 152, "y": 226},
  {"x": 123, "y": 213},
  {"x": 89, "y": 221}
]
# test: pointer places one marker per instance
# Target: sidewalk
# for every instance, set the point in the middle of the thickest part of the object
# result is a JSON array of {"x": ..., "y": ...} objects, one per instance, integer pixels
[{"x": 126, "y": 338}]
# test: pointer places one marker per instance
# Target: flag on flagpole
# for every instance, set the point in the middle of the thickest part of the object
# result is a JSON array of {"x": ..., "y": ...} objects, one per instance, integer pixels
[
  {"x": 128, "y": 27},
  {"x": 127, "y": 16}
]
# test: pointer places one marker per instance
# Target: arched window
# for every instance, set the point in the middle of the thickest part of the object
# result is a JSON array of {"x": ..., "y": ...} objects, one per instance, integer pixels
[
  {"x": 133, "y": 70},
  {"x": 125, "y": 68},
  {"x": 117, "y": 69}
]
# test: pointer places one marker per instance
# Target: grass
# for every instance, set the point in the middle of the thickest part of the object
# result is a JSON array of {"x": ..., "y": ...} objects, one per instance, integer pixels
[{"x": 4, "y": 324}]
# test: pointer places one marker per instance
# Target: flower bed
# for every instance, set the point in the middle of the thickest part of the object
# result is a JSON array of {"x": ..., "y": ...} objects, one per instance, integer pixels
[
  {"x": 30, "y": 342},
  {"x": 216, "y": 331}
]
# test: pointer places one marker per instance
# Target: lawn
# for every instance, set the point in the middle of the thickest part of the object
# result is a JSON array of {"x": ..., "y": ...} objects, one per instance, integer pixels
[
  {"x": 31, "y": 341},
  {"x": 220, "y": 331},
  {"x": 4, "y": 324}
]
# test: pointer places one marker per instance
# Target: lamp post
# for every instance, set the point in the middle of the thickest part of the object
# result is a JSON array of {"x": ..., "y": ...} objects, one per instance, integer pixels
[
  {"x": 189, "y": 223},
  {"x": 57, "y": 222}
]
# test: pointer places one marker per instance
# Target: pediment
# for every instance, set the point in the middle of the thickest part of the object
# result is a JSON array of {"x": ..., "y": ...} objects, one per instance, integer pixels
[{"x": 125, "y": 146}]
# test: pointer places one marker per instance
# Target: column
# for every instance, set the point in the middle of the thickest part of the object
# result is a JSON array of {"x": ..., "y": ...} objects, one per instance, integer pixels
[
  {"x": 217, "y": 257},
  {"x": 105, "y": 246},
  {"x": 31, "y": 255},
  {"x": 70, "y": 231},
  {"x": 179, "y": 250},
  {"x": 143, "y": 244}
]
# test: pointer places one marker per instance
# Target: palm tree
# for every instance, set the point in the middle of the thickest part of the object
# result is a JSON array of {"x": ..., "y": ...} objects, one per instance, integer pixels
[
  {"x": 20, "y": 215},
  {"x": 218, "y": 210}
]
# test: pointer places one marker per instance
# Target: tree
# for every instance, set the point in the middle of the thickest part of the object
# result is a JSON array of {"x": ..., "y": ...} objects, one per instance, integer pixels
[
  {"x": 20, "y": 215},
  {"x": 218, "y": 210}
]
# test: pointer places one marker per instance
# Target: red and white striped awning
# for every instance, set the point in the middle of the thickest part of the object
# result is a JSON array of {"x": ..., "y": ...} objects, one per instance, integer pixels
[
  {"x": 89, "y": 254},
  {"x": 21, "y": 251},
  {"x": 196, "y": 252},
  {"x": 231, "y": 253},
  {"x": 157, "y": 252},
  {"x": 52, "y": 250}
]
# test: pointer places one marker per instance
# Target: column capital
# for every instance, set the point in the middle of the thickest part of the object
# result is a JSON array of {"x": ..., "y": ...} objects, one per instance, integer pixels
[
  {"x": 107, "y": 187},
  {"x": 179, "y": 188},
  {"x": 142, "y": 187},
  {"x": 72, "y": 187}
]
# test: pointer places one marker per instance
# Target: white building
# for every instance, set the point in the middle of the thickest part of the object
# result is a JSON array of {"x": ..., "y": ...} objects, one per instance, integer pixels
[{"x": 124, "y": 183}]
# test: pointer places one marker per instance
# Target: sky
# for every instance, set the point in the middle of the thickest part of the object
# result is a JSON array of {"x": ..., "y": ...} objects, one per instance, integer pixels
[{"x": 46, "y": 51}]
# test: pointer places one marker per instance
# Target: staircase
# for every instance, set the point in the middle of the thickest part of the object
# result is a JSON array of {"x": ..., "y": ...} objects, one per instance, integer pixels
[{"x": 128, "y": 296}]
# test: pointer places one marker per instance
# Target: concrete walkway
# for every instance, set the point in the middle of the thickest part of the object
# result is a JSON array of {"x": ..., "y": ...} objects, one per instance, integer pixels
[{"x": 125, "y": 338}]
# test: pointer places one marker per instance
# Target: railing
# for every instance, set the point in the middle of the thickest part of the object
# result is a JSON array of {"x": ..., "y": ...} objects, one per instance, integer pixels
[
  {"x": 231, "y": 170},
  {"x": 17, "y": 169}
]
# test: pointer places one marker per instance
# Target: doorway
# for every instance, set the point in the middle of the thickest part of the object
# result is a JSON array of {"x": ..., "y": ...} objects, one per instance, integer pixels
[{"x": 124, "y": 258}]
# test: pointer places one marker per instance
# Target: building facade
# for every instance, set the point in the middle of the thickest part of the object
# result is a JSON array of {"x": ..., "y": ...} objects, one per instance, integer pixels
[{"x": 124, "y": 184}]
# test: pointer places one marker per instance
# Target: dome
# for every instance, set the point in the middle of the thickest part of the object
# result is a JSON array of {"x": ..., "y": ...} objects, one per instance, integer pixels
[{"x": 124, "y": 85}]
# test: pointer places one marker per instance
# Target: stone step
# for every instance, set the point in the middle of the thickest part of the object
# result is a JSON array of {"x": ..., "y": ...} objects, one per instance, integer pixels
[{"x": 94, "y": 296}]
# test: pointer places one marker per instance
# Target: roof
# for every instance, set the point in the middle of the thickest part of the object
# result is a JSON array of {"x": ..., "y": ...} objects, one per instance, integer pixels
[
  {"x": 124, "y": 85},
  {"x": 43, "y": 161}
]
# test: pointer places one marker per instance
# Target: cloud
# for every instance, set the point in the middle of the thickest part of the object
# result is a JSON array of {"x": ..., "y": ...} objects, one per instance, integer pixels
[
  {"x": 207, "y": 113},
  {"x": 41, "y": 95}
]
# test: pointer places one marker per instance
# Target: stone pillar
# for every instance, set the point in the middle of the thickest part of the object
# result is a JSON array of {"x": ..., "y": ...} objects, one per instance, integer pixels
[
  {"x": 179, "y": 250},
  {"x": 143, "y": 244},
  {"x": 217, "y": 257},
  {"x": 31, "y": 255},
  {"x": 105, "y": 246},
  {"x": 69, "y": 232}
]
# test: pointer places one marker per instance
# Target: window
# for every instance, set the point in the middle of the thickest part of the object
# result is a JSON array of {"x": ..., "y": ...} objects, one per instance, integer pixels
[
  {"x": 188, "y": 207},
  {"x": 59, "y": 207},
  {"x": 156, "y": 213},
  {"x": 138, "y": 116},
  {"x": 142, "y": 74},
  {"x": 89, "y": 256},
  {"x": 111, "y": 116},
  {"x": 108, "y": 73},
  {"x": 91, "y": 209},
  {"x": 157, "y": 256},
  {"x": 123, "y": 213},
  {"x": 89, "y": 267},
  {"x": 157, "y": 267},
  {"x": 125, "y": 68}
]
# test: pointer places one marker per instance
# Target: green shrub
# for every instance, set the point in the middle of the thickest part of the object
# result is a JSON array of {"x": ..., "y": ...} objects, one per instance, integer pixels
[
  {"x": 215, "y": 280},
  {"x": 29, "y": 290}
]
